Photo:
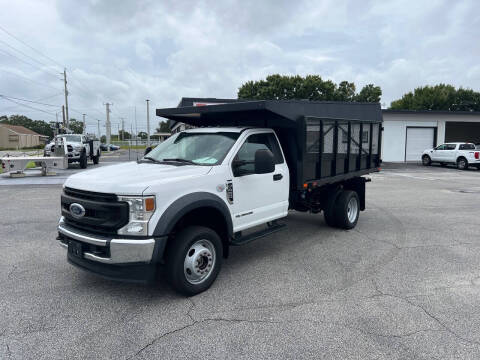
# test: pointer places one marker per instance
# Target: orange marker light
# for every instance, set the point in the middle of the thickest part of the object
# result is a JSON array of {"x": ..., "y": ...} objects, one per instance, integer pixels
[
  {"x": 305, "y": 185},
  {"x": 149, "y": 204}
]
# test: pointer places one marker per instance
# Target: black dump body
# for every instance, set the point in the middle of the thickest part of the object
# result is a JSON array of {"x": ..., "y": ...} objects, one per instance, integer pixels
[{"x": 323, "y": 142}]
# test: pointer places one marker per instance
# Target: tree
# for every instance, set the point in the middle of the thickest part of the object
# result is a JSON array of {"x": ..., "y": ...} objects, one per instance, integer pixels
[
  {"x": 125, "y": 135},
  {"x": 76, "y": 126},
  {"x": 39, "y": 126},
  {"x": 310, "y": 87},
  {"x": 142, "y": 135},
  {"x": 163, "y": 127},
  {"x": 439, "y": 97}
]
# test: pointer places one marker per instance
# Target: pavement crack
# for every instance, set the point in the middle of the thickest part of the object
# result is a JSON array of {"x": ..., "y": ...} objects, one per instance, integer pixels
[{"x": 429, "y": 314}]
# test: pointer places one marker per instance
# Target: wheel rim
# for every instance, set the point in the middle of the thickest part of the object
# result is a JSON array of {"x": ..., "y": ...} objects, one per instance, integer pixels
[
  {"x": 461, "y": 163},
  {"x": 425, "y": 160},
  {"x": 352, "y": 209},
  {"x": 199, "y": 261}
]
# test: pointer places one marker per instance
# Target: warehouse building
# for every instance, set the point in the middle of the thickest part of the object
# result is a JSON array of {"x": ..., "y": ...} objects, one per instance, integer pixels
[
  {"x": 406, "y": 133},
  {"x": 19, "y": 137}
]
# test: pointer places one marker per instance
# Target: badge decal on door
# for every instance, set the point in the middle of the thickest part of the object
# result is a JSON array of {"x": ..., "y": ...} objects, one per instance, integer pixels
[{"x": 229, "y": 191}]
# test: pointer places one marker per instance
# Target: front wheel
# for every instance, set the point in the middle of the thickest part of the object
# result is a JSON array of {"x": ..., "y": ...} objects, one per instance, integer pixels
[
  {"x": 193, "y": 260},
  {"x": 83, "y": 160},
  {"x": 347, "y": 209},
  {"x": 426, "y": 161},
  {"x": 96, "y": 158},
  {"x": 462, "y": 164}
]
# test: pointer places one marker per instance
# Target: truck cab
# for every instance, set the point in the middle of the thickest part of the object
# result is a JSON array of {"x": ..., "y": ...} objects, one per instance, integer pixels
[{"x": 189, "y": 200}]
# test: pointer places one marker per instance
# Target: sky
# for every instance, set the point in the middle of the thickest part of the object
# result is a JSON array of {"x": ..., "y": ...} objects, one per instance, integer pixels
[{"x": 124, "y": 51}]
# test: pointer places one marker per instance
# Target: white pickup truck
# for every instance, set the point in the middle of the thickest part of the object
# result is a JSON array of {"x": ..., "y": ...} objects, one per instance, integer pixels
[
  {"x": 80, "y": 148},
  {"x": 462, "y": 155},
  {"x": 186, "y": 202}
]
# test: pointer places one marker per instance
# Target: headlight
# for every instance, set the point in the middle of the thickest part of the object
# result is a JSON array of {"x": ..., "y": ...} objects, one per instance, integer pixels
[{"x": 141, "y": 209}]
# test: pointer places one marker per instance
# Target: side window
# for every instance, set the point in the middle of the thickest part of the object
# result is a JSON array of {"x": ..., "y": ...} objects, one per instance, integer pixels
[
  {"x": 450, "y": 146},
  {"x": 246, "y": 153},
  {"x": 467, "y": 147},
  {"x": 441, "y": 147}
]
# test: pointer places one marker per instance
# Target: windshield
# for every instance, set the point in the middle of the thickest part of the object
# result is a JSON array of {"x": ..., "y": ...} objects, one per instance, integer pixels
[
  {"x": 72, "y": 138},
  {"x": 198, "y": 148}
]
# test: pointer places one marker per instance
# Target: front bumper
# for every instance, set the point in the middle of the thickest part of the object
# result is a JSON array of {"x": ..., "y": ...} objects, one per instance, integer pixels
[{"x": 115, "y": 258}]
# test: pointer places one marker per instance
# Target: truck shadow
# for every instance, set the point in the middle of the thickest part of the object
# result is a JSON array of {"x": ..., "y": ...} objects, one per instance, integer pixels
[{"x": 303, "y": 231}]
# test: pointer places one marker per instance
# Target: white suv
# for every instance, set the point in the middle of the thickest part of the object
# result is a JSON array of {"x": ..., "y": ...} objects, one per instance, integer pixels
[{"x": 461, "y": 154}]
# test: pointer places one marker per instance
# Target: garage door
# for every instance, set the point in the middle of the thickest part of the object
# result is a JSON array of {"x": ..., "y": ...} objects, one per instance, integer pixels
[{"x": 418, "y": 140}]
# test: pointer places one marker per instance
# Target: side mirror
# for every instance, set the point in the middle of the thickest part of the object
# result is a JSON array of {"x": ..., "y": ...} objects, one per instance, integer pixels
[
  {"x": 147, "y": 150},
  {"x": 264, "y": 162}
]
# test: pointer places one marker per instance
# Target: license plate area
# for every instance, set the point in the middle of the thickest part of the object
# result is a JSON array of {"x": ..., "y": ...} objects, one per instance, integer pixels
[{"x": 75, "y": 248}]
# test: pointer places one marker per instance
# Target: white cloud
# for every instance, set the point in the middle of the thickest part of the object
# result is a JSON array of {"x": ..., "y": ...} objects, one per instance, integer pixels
[{"x": 127, "y": 51}]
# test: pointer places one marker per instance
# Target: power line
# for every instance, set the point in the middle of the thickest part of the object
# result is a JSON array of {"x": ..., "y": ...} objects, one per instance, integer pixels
[
  {"x": 28, "y": 106},
  {"x": 28, "y": 79},
  {"x": 26, "y": 62},
  {"x": 24, "y": 54},
  {"x": 30, "y": 101},
  {"x": 42, "y": 98},
  {"x": 24, "y": 43}
]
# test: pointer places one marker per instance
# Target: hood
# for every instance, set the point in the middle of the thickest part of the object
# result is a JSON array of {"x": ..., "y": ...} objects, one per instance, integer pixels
[{"x": 132, "y": 178}]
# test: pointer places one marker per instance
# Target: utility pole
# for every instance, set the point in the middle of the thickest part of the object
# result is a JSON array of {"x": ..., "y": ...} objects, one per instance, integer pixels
[
  {"x": 123, "y": 128},
  {"x": 118, "y": 132},
  {"x": 107, "y": 124},
  {"x": 66, "y": 95},
  {"x": 63, "y": 113},
  {"x": 84, "y": 129},
  {"x": 98, "y": 129},
  {"x": 148, "y": 122}
]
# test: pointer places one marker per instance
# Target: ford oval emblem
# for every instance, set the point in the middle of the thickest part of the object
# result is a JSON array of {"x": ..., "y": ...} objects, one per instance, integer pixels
[{"x": 77, "y": 210}]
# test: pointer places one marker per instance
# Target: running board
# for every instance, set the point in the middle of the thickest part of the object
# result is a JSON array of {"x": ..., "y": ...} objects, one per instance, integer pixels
[{"x": 272, "y": 227}]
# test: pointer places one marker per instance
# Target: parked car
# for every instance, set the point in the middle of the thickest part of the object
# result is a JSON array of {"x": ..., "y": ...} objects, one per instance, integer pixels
[
  {"x": 80, "y": 148},
  {"x": 186, "y": 202},
  {"x": 462, "y": 155},
  {"x": 109, "y": 147}
]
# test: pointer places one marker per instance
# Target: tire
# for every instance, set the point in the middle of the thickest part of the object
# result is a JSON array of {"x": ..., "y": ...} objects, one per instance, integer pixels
[
  {"x": 96, "y": 158},
  {"x": 83, "y": 160},
  {"x": 191, "y": 246},
  {"x": 347, "y": 209},
  {"x": 329, "y": 211},
  {"x": 462, "y": 163},
  {"x": 426, "y": 161}
]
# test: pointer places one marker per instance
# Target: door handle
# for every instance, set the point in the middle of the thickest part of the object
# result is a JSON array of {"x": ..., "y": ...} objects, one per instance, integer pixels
[{"x": 277, "y": 177}]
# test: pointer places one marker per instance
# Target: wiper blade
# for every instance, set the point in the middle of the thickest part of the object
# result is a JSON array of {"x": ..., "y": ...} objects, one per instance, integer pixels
[
  {"x": 181, "y": 160},
  {"x": 151, "y": 159}
]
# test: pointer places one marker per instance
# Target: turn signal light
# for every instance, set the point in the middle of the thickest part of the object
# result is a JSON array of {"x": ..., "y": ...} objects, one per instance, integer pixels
[
  {"x": 149, "y": 204},
  {"x": 477, "y": 155}
]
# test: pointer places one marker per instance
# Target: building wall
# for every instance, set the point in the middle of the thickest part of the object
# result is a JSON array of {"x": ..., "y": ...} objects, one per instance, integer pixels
[
  {"x": 11, "y": 140},
  {"x": 395, "y": 129}
]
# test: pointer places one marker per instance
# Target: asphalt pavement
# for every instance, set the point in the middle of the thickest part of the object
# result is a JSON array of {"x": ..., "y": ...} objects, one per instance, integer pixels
[{"x": 404, "y": 284}]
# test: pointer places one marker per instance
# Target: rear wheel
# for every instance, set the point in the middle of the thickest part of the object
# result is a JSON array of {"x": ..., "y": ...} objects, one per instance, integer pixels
[
  {"x": 426, "y": 161},
  {"x": 193, "y": 260},
  {"x": 347, "y": 209},
  {"x": 462, "y": 163}
]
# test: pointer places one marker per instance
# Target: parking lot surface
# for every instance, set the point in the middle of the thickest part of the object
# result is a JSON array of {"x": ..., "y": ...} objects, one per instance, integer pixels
[{"x": 404, "y": 284}]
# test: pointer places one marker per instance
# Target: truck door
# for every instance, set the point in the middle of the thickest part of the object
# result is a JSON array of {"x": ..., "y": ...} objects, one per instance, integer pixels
[
  {"x": 259, "y": 198},
  {"x": 449, "y": 154},
  {"x": 436, "y": 154}
]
